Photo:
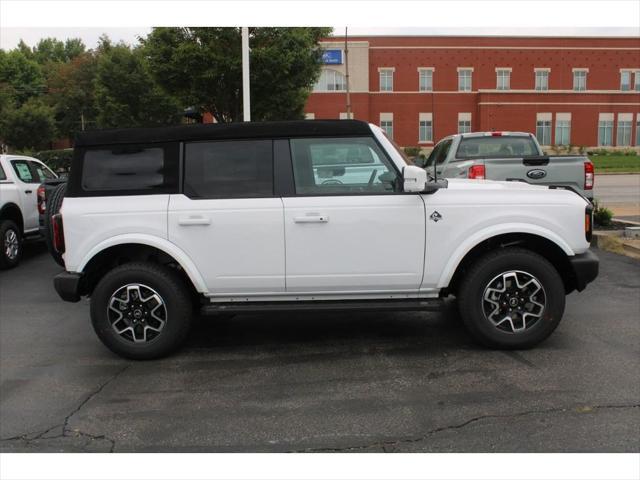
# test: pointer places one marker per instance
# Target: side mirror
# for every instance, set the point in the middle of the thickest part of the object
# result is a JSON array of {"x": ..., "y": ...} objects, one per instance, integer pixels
[{"x": 414, "y": 178}]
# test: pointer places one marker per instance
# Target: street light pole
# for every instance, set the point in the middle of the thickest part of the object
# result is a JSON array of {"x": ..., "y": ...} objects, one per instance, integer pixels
[
  {"x": 246, "y": 101},
  {"x": 346, "y": 68}
]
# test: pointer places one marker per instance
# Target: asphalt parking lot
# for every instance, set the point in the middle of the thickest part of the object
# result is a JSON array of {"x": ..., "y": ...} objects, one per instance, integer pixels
[{"x": 300, "y": 382}]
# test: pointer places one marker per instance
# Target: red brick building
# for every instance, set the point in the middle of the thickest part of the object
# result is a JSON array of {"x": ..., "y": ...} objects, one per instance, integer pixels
[{"x": 578, "y": 91}]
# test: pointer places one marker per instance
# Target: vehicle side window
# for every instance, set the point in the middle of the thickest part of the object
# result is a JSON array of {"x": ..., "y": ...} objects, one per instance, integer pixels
[
  {"x": 3, "y": 176},
  {"x": 41, "y": 172},
  {"x": 129, "y": 169},
  {"x": 229, "y": 169},
  {"x": 442, "y": 153},
  {"x": 23, "y": 171},
  {"x": 339, "y": 166},
  {"x": 433, "y": 155}
]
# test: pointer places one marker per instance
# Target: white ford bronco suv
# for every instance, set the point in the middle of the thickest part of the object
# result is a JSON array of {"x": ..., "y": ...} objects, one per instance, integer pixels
[
  {"x": 315, "y": 214},
  {"x": 20, "y": 178}
]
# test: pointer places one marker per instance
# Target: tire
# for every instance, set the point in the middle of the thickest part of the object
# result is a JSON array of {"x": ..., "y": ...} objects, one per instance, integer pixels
[
  {"x": 10, "y": 244},
  {"x": 487, "y": 311},
  {"x": 53, "y": 207},
  {"x": 158, "y": 339}
]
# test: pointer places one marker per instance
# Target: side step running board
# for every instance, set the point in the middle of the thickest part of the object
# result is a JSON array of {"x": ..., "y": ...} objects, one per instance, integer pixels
[{"x": 324, "y": 306}]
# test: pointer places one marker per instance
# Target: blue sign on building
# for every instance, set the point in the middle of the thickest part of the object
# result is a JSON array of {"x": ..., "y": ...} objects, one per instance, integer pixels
[{"x": 332, "y": 57}]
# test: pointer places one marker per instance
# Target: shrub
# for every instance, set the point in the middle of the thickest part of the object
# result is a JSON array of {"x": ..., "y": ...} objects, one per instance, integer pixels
[
  {"x": 601, "y": 215},
  {"x": 56, "y": 160},
  {"x": 412, "y": 151}
]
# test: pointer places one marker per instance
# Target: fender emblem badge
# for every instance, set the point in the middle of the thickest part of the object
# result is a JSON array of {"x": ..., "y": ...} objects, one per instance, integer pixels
[{"x": 435, "y": 216}]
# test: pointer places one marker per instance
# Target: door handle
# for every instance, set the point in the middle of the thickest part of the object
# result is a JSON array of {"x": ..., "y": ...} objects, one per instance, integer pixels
[
  {"x": 311, "y": 219},
  {"x": 28, "y": 191},
  {"x": 195, "y": 220}
]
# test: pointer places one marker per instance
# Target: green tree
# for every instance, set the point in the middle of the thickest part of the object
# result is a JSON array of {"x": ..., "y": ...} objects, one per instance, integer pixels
[
  {"x": 203, "y": 67},
  {"x": 50, "y": 50},
  {"x": 29, "y": 126},
  {"x": 125, "y": 92},
  {"x": 21, "y": 75}
]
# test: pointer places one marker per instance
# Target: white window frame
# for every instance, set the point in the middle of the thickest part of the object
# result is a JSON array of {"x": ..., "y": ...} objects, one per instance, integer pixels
[
  {"x": 605, "y": 129},
  {"x": 543, "y": 128},
  {"x": 425, "y": 126},
  {"x": 503, "y": 73},
  {"x": 636, "y": 81},
  {"x": 427, "y": 73},
  {"x": 386, "y": 123},
  {"x": 578, "y": 74},
  {"x": 345, "y": 116},
  {"x": 637, "y": 128},
  {"x": 310, "y": 116},
  {"x": 624, "y": 130},
  {"x": 563, "y": 129},
  {"x": 324, "y": 77},
  {"x": 544, "y": 73},
  {"x": 462, "y": 74},
  {"x": 629, "y": 75},
  {"x": 464, "y": 122},
  {"x": 387, "y": 73}
]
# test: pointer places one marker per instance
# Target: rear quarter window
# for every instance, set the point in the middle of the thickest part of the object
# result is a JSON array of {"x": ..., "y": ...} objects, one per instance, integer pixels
[
  {"x": 3, "y": 176},
  {"x": 128, "y": 170},
  {"x": 496, "y": 147}
]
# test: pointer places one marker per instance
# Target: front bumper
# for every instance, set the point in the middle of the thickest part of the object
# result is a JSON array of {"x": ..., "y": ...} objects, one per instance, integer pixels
[
  {"x": 67, "y": 284},
  {"x": 585, "y": 268}
]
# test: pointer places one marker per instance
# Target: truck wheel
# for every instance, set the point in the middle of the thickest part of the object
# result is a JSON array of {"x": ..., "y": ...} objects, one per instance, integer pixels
[
  {"x": 53, "y": 207},
  {"x": 11, "y": 242},
  {"x": 511, "y": 298},
  {"x": 141, "y": 310}
]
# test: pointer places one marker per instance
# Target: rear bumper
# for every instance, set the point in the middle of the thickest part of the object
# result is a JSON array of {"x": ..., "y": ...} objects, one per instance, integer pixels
[
  {"x": 585, "y": 268},
  {"x": 67, "y": 284}
]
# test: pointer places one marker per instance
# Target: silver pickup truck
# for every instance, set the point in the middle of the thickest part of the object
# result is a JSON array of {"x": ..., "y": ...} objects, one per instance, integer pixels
[{"x": 514, "y": 156}]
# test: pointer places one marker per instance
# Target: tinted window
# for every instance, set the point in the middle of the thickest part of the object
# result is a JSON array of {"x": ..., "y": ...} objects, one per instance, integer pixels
[
  {"x": 23, "y": 171},
  {"x": 228, "y": 169},
  {"x": 3, "y": 176},
  {"x": 131, "y": 169},
  {"x": 334, "y": 166},
  {"x": 496, "y": 147},
  {"x": 443, "y": 152},
  {"x": 41, "y": 172}
]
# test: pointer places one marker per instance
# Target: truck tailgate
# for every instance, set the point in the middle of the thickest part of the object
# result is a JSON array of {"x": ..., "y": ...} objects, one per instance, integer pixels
[{"x": 559, "y": 170}]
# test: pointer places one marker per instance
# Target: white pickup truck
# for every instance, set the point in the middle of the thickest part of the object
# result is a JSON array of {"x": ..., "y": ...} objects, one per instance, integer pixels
[
  {"x": 307, "y": 215},
  {"x": 509, "y": 156},
  {"x": 20, "y": 178}
]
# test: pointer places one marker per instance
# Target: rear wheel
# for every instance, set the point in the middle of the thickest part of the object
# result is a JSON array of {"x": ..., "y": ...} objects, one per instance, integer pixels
[
  {"x": 141, "y": 310},
  {"x": 11, "y": 244},
  {"x": 511, "y": 298}
]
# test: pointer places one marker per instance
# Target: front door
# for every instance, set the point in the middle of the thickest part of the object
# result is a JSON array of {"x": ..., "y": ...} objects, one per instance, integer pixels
[
  {"x": 27, "y": 184},
  {"x": 349, "y": 230},
  {"x": 228, "y": 220}
]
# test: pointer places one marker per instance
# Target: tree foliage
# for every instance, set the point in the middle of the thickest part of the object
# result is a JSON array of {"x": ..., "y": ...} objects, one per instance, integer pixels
[
  {"x": 125, "y": 93},
  {"x": 21, "y": 76},
  {"x": 30, "y": 126},
  {"x": 203, "y": 67}
]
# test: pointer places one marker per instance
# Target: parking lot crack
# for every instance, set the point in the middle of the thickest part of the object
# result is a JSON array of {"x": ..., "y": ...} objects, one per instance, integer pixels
[{"x": 389, "y": 444}]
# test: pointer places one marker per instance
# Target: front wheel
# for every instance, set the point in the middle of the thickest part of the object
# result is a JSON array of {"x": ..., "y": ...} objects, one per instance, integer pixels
[
  {"x": 11, "y": 244},
  {"x": 141, "y": 310},
  {"x": 511, "y": 298}
]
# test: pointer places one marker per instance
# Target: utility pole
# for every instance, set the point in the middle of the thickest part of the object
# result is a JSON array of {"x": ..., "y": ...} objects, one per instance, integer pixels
[
  {"x": 346, "y": 68},
  {"x": 246, "y": 101},
  {"x": 82, "y": 120}
]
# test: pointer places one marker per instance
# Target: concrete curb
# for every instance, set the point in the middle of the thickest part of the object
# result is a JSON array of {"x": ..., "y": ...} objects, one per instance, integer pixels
[{"x": 611, "y": 242}]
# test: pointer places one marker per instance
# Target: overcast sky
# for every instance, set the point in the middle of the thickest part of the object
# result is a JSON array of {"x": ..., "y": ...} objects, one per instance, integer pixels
[{"x": 9, "y": 37}]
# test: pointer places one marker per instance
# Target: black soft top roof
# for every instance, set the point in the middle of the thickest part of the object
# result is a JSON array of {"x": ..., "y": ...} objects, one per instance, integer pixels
[{"x": 223, "y": 131}]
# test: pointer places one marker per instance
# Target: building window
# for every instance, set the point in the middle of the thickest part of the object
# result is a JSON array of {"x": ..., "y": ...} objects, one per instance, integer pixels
[
  {"x": 425, "y": 79},
  {"x": 425, "y": 129},
  {"x": 563, "y": 128},
  {"x": 464, "y": 122},
  {"x": 346, "y": 116},
  {"x": 386, "y": 124},
  {"x": 330, "y": 81},
  {"x": 623, "y": 138},
  {"x": 636, "y": 84},
  {"x": 625, "y": 80},
  {"x": 386, "y": 79},
  {"x": 464, "y": 79},
  {"x": 503, "y": 78},
  {"x": 543, "y": 128},
  {"x": 542, "y": 80},
  {"x": 605, "y": 129},
  {"x": 637, "y": 127},
  {"x": 309, "y": 116},
  {"x": 580, "y": 80}
]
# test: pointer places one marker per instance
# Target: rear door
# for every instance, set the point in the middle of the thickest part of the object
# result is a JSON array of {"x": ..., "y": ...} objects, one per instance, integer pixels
[
  {"x": 228, "y": 220},
  {"x": 27, "y": 184},
  {"x": 349, "y": 229}
]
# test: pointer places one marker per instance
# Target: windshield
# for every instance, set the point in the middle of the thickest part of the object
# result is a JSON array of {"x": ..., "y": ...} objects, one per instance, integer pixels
[{"x": 496, "y": 147}]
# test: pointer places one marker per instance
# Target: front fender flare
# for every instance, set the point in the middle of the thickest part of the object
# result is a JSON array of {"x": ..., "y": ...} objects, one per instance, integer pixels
[
  {"x": 494, "y": 231},
  {"x": 161, "y": 244}
]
